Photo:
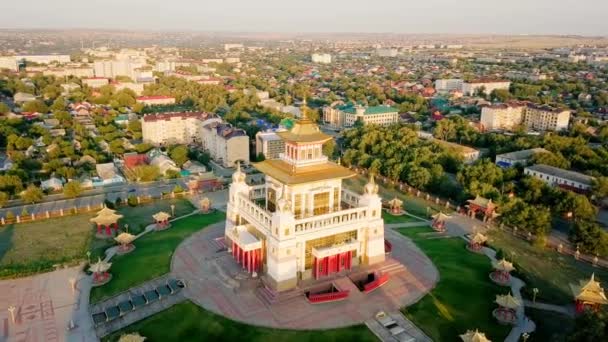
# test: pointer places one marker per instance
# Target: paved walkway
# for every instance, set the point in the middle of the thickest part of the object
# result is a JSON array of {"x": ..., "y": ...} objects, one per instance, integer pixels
[
  {"x": 215, "y": 282},
  {"x": 384, "y": 334},
  {"x": 44, "y": 305},
  {"x": 524, "y": 324},
  {"x": 550, "y": 307}
]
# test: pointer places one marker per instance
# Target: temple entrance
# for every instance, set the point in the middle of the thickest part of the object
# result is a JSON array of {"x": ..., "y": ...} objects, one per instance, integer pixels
[{"x": 324, "y": 266}]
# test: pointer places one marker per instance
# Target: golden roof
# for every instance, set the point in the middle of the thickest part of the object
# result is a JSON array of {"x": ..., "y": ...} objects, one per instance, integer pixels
[
  {"x": 474, "y": 336},
  {"x": 124, "y": 238},
  {"x": 100, "y": 266},
  {"x": 395, "y": 202},
  {"x": 106, "y": 216},
  {"x": 161, "y": 216},
  {"x": 440, "y": 216},
  {"x": 589, "y": 291},
  {"x": 479, "y": 238},
  {"x": 482, "y": 202},
  {"x": 508, "y": 301},
  {"x": 304, "y": 131},
  {"x": 287, "y": 174},
  {"x": 503, "y": 265}
]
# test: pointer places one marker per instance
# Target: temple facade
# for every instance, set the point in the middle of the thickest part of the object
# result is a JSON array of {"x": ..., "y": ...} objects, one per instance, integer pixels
[{"x": 301, "y": 224}]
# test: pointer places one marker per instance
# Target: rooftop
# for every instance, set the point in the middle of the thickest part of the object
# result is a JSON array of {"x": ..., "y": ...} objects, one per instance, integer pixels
[
  {"x": 561, "y": 173},
  {"x": 287, "y": 174},
  {"x": 176, "y": 115},
  {"x": 382, "y": 109},
  {"x": 523, "y": 154}
]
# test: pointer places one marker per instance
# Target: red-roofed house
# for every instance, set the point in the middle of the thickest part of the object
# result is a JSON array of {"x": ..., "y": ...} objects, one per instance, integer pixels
[{"x": 132, "y": 160}]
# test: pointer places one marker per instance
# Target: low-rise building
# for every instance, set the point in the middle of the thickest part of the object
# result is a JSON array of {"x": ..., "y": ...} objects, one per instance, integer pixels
[
  {"x": 95, "y": 82},
  {"x": 21, "y": 97},
  {"x": 448, "y": 85},
  {"x": 484, "y": 85},
  {"x": 468, "y": 154},
  {"x": 269, "y": 144},
  {"x": 52, "y": 184},
  {"x": 566, "y": 179},
  {"x": 322, "y": 58},
  {"x": 156, "y": 100},
  {"x": 346, "y": 115},
  {"x": 518, "y": 157},
  {"x": 107, "y": 174}
]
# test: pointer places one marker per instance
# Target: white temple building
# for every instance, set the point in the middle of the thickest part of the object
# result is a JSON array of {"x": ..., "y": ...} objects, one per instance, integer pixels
[{"x": 301, "y": 224}]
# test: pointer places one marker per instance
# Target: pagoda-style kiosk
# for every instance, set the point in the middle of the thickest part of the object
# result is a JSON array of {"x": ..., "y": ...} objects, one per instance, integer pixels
[
  {"x": 205, "y": 204},
  {"x": 476, "y": 242},
  {"x": 502, "y": 272},
  {"x": 506, "y": 313},
  {"x": 100, "y": 272},
  {"x": 161, "y": 220},
  {"x": 125, "y": 243},
  {"x": 395, "y": 206},
  {"x": 438, "y": 223},
  {"x": 588, "y": 295},
  {"x": 474, "y": 336},
  {"x": 484, "y": 206},
  {"x": 300, "y": 225},
  {"x": 106, "y": 218}
]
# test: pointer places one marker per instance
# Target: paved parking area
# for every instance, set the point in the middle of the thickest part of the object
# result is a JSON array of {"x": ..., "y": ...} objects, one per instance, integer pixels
[
  {"x": 215, "y": 282},
  {"x": 44, "y": 305}
]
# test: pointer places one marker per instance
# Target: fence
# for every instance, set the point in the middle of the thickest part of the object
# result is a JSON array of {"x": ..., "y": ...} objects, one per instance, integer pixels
[
  {"x": 37, "y": 215},
  {"x": 565, "y": 249}
]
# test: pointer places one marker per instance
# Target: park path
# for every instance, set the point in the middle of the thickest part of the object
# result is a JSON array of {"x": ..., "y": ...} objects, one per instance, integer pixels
[
  {"x": 562, "y": 309},
  {"x": 524, "y": 324}
]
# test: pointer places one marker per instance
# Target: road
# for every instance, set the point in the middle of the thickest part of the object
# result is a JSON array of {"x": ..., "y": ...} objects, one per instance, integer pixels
[{"x": 95, "y": 197}]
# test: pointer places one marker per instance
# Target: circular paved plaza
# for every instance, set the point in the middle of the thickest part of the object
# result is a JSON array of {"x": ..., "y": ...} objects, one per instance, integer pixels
[{"x": 216, "y": 283}]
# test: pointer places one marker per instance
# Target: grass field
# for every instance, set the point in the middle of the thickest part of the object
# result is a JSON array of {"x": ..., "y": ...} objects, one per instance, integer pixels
[
  {"x": 152, "y": 256},
  {"x": 140, "y": 216},
  {"x": 412, "y": 204},
  {"x": 464, "y": 297},
  {"x": 550, "y": 326},
  {"x": 388, "y": 218},
  {"x": 188, "y": 322},
  {"x": 544, "y": 269},
  {"x": 33, "y": 247}
]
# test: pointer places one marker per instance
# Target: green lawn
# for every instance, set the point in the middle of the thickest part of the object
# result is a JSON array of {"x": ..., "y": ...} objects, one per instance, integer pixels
[
  {"x": 152, "y": 256},
  {"x": 550, "y": 326},
  {"x": 412, "y": 204},
  {"x": 464, "y": 297},
  {"x": 140, "y": 216},
  {"x": 544, "y": 269},
  {"x": 33, "y": 247},
  {"x": 388, "y": 218},
  {"x": 188, "y": 322}
]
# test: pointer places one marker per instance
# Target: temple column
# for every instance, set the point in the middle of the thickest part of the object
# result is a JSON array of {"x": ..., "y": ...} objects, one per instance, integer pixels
[
  {"x": 315, "y": 269},
  {"x": 98, "y": 229},
  {"x": 108, "y": 230}
]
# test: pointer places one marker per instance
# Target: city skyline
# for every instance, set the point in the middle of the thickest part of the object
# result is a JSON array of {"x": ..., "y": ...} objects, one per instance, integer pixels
[{"x": 516, "y": 17}]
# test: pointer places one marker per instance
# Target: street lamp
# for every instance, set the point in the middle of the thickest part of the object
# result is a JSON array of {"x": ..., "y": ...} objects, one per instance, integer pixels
[
  {"x": 126, "y": 227},
  {"x": 89, "y": 256},
  {"x": 12, "y": 309},
  {"x": 173, "y": 210},
  {"x": 535, "y": 292},
  {"x": 525, "y": 336}
]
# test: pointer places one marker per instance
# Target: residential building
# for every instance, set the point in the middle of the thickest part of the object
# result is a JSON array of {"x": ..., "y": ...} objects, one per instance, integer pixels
[
  {"x": 44, "y": 59},
  {"x": 226, "y": 145},
  {"x": 518, "y": 157},
  {"x": 534, "y": 117},
  {"x": 137, "y": 88},
  {"x": 269, "y": 144},
  {"x": 322, "y": 58},
  {"x": 164, "y": 164},
  {"x": 174, "y": 127},
  {"x": 346, "y": 115},
  {"x": 468, "y": 154},
  {"x": 484, "y": 85},
  {"x": 566, "y": 179},
  {"x": 95, "y": 82},
  {"x": 107, "y": 174},
  {"x": 301, "y": 225},
  {"x": 448, "y": 85},
  {"x": 156, "y": 100},
  {"x": 228, "y": 47},
  {"x": 52, "y": 184},
  {"x": 20, "y": 97}
]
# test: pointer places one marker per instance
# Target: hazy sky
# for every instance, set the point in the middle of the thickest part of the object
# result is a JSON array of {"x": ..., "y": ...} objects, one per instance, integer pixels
[{"x": 586, "y": 17}]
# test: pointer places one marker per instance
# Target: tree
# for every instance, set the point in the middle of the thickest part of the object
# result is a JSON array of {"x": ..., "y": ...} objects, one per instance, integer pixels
[
  {"x": 418, "y": 177},
  {"x": 32, "y": 194},
  {"x": 600, "y": 187},
  {"x": 481, "y": 178},
  {"x": 179, "y": 154},
  {"x": 501, "y": 95},
  {"x": 551, "y": 159},
  {"x": 59, "y": 104},
  {"x": 4, "y": 108},
  {"x": 35, "y": 106},
  {"x": 589, "y": 327},
  {"x": 3, "y": 198},
  {"x": 145, "y": 173},
  {"x": 72, "y": 189},
  {"x": 329, "y": 148}
]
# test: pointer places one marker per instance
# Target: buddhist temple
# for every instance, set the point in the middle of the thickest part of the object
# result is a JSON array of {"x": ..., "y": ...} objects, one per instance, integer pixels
[
  {"x": 484, "y": 206},
  {"x": 125, "y": 242},
  {"x": 588, "y": 294},
  {"x": 107, "y": 218},
  {"x": 301, "y": 225},
  {"x": 100, "y": 272},
  {"x": 474, "y": 336}
]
